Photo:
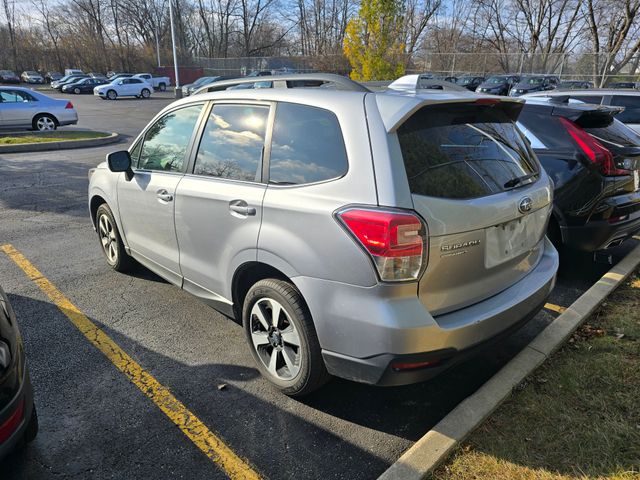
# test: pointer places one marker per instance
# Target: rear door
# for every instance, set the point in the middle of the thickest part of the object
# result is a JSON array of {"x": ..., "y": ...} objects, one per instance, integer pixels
[
  {"x": 485, "y": 228},
  {"x": 219, "y": 202}
]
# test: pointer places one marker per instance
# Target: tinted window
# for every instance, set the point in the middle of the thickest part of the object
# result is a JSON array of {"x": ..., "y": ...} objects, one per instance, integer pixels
[
  {"x": 463, "y": 151},
  {"x": 165, "y": 143},
  {"x": 617, "y": 133},
  {"x": 631, "y": 112},
  {"x": 595, "y": 99},
  {"x": 546, "y": 128},
  {"x": 306, "y": 147},
  {"x": 232, "y": 142}
]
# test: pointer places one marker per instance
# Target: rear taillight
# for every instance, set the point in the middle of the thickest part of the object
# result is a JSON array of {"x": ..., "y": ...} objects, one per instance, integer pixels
[
  {"x": 69, "y": 105},
  {"x": 396, "y": 241},
  {"x": 12, "y": 423},
  {"x": 592, "y": 148}
]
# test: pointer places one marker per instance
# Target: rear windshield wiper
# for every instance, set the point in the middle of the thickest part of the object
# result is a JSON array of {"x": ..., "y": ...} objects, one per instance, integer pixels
[{"x": 514, "y": 182}]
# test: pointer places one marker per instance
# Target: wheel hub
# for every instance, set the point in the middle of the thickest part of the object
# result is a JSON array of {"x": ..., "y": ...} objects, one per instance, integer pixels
[{"x": 275, "y": 338}]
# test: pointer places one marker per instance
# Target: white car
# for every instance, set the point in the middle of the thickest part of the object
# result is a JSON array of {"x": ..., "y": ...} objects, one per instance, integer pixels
[
  {"x": 124, "y": 87},
  {"x": 159, "y": 83},
  {"x": 31, "y": 76}
]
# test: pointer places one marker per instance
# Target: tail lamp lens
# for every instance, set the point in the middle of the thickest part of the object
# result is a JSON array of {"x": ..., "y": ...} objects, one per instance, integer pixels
[
  {"x": 396, "y": 241},
  {"x": 592, "y": 148},
  {"x": 69, "y": 106},
  {"x": 12, "y": 423}
]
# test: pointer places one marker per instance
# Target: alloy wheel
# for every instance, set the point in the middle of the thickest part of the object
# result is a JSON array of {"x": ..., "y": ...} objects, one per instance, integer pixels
[
  {"x": 45, "y": 124},
  {"x": 108, "y": 238},
  {"x": 275, "y": 339}
]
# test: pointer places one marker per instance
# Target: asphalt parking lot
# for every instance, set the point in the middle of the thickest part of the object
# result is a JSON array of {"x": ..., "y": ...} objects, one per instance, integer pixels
[{"x": 94, "y": 423}]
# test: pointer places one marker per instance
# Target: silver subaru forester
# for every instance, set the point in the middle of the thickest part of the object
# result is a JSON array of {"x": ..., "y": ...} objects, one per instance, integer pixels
[{"x": 379, "y": 237}]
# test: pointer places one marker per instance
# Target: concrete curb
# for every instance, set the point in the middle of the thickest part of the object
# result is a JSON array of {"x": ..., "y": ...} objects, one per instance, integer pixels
[
  {"x": 427, "y": 453},
  {"x": 62, "y": 145}
]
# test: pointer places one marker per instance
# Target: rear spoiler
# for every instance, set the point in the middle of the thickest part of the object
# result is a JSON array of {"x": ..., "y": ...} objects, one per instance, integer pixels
[
  {"x": 587, "y": 115},
  {"x": 396, "y": 108}
]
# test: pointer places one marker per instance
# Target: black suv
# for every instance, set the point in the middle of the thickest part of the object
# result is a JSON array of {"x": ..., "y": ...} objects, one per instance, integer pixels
[
  {"x": 593, "y": 160},
  {"x": 498, "y": 84},
  {"x": 534, "y": 83},
  {"x": 469, "y": 82}
]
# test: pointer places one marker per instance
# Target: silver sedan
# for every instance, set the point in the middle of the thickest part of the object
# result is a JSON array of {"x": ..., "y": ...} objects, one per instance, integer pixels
[{"x": 24, "y": 108}]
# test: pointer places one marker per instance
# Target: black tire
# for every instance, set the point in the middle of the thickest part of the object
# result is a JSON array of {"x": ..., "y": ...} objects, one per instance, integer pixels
[
  {"x": 76, "y": 91},
  {"x": 145, "y": 93},
  {"x": 312, "y": 372},
  {"x": 112, "y": 95},
  {"x": 162, "y": 87},
  {"x": 121, "y": 261},
  {"x": 32, "y": 427},
  {"x": 44, "y": 119}
]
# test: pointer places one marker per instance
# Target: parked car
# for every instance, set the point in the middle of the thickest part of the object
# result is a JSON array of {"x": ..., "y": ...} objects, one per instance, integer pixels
[
  {"x": 534, "y": 83},
  {"x": 158, "y": 83},
  {"x": 338, "y": 258},
  {"x": 594, "y": 161},
  {"x": 124, "y": 87},
  {"x": 24, "y": 108},
  {"x": 52, "y": 76},
  {"x": 498, "y": 84},
  {"x": 630, "y": 100},
  {"x": 119, "y": 76},
  {"x": 97, "y": 75},
  {"x": 31, "y": 76},
  {"x": 260, "y": 73},
  {"x": 469, "y": 82},
  {"x": 574, "y": 85},
  {"x": 414, "y": 82},
  {"x": 84, "y": 85},
  {"x": 73, "y": 71},
  {"x": 190, "y": 88},
  {"x": 7, "y": 76},
  {"x": 18, "y": 416},
  {"x": 623, "y": 85},
  {"x": 57, "y": 85}
]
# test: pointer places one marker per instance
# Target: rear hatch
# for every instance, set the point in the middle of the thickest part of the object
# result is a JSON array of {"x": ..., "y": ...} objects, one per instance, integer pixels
[{"x": 486, "y": 201}]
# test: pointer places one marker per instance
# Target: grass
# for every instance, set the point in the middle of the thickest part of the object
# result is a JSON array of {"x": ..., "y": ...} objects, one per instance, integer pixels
[
  {"x": 578, "y": 417},
  {"x": 55, "y": 136}
]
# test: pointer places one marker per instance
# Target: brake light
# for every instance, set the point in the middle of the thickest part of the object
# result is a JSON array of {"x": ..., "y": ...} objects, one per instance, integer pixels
[
  {"x": 592, "y": 148},
  {"x": 12, "y": 423},
  {"x": 69, "y": 106},
  {"x": 396, "y": 241}
]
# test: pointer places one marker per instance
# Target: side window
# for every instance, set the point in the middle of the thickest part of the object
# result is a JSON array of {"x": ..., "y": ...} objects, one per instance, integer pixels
[
  {"x": 232, "y": 142},
  {"x": 16, "y": 96},
  {"x": 165, "y": 143},
  {"x": 631, "y": 106},
  {"x": 307, "y": 146},
  {"x": 135, "y": 154}
]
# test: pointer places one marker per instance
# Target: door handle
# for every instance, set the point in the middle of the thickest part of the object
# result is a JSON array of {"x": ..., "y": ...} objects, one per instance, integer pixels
[
  {"x": 163, "y": 195},
  {"x": 241, "y": 208}
]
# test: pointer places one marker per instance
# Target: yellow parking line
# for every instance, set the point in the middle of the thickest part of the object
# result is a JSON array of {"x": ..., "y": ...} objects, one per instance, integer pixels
[
  {"x": 212, "y": 446},
  {"x": 555, "y": 308}
]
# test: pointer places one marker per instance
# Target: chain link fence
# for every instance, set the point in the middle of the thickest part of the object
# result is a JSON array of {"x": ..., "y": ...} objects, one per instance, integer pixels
[{"x": 567, "y": 66}]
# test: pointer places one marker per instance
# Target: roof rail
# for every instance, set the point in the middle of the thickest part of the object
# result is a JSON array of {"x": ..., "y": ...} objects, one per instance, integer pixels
[{"x": 289, "y": 81}]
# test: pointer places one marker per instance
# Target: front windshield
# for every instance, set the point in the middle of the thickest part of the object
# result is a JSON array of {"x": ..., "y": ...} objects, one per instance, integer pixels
[
  {"x": 465, "y": 81},
  {"x": 497, "y": 79},
  {"x": 532, "y": 80}
]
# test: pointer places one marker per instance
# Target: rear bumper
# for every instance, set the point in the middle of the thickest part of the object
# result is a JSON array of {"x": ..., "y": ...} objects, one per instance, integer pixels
[
  {"x": 363, "y": 330},
  {"x": 600, "y": 234},
  {"x": 24, "y": 394}
]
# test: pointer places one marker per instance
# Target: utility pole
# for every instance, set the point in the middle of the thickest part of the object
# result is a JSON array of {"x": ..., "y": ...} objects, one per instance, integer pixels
[{"x": 178, "y": 90}]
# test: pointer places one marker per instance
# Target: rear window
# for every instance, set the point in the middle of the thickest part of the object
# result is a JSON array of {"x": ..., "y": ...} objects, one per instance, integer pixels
[
  {"x": 594, "y": 99},
  {"x": 463, "y": 151},
  {"x": 617, "y": 133},
  {"x": 546, "y": 128},
  {"x": 631, "y": 106}
]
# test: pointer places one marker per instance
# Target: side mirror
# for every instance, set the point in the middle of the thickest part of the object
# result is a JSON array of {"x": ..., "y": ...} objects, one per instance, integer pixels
[{"x": 120, "y": 162}]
